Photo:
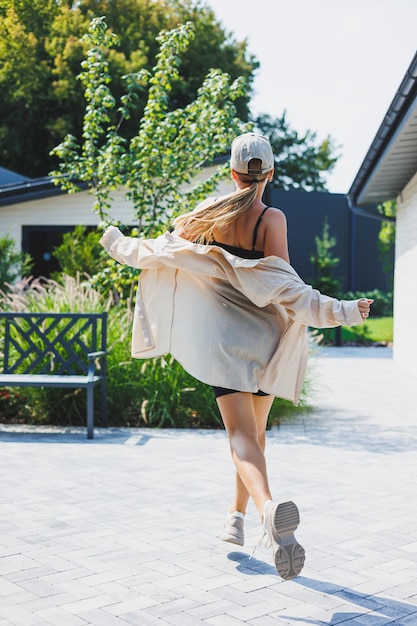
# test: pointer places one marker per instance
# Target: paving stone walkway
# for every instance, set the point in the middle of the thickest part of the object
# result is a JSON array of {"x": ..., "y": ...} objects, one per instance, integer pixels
[{"x": 122, "y": 529}]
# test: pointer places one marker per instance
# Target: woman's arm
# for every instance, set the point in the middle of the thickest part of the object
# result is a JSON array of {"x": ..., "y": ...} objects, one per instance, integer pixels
[{"x": 125, "y": 250}]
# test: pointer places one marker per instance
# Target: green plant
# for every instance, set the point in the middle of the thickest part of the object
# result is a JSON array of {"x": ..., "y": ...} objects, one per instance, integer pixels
[
  {"x": 117, "y": 280},
  {"x": 171, "y": 145},
  {"x": 13, "y": 264},
  {"x": 79, "y": 253},
  {"x": 325, "y": 263},
  {"x": 41, "y": 51},
  {"x": 70, "y": 295},
  {"x": 172, "y": 398},
  {"x": 13, "y": 405},
  {"x": 155, "y": 392}
]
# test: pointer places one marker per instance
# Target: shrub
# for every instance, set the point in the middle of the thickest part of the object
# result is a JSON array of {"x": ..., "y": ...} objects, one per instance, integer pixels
[
  {"x": 154, "y": 393},
  {"x": 325, "y": 263},
  {"x": 79, "y": 253}
]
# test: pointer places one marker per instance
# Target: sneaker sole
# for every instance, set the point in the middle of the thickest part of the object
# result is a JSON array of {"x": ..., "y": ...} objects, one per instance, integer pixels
[{"x": 290, "y": 555}]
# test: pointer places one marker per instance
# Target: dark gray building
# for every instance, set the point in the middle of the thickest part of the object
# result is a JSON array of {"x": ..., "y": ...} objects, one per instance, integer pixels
[{"x": 360, "y": 267}]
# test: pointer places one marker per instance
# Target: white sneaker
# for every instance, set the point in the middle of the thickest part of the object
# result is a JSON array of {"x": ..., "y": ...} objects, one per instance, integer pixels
[
  {"x": 233, "y": 529},
  {"x": 280, "y": 522}
]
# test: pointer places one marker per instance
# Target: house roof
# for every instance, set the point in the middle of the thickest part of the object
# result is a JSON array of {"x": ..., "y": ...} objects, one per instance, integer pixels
[
  {"x": 391, "y": 160},
  {"x": 15, "y": 188},
  {"x": 7, "y": 177},
  {"x": 24, "y": 189}
]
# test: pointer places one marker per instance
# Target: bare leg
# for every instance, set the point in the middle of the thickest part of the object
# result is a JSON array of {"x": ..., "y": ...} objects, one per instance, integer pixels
[
  {"x": 262, "y": 406},
  {"x": 245, "y": 417}
]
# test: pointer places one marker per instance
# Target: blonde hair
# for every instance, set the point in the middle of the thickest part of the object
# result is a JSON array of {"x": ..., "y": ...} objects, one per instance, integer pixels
[{"x": 199, "y": 225}]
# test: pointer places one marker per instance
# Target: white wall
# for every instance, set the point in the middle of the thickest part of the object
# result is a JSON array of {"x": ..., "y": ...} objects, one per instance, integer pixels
[
  {"x": 405, "y": 280},
  {"x": 59, "y": 210},
  {"x": 73, "y": 210}
]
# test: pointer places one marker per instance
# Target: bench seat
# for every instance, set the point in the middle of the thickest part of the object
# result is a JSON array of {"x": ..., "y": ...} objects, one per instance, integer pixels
[
  {"x": 46, "y": 380},
  {"x": 65, "y": 350}
]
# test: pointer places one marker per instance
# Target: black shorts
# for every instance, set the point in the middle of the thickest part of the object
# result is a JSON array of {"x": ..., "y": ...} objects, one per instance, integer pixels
[{"x": 221, "y": 391}]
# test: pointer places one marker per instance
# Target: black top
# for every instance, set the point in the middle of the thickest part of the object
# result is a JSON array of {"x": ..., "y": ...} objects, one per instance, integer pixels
[{"x": 242, "y": 252}]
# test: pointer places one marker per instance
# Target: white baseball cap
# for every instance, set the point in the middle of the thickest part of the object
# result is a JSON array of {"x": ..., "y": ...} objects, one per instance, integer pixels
[{"x": 251, "y": 146}]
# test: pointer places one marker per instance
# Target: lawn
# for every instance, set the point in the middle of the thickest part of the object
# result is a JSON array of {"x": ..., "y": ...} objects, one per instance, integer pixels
[{"x": 375, "y": 329}]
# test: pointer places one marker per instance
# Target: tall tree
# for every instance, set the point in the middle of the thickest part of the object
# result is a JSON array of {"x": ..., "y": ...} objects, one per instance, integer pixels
[
  {"x": 24, "y": 83},
  {"x": 300, "y": 161},
  {"x": 41, "y": 51},
  {"x": 171, "y": 145}
]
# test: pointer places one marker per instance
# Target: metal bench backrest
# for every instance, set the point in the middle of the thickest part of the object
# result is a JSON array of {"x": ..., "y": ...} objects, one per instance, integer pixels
[{"x": 51, "y": 343}]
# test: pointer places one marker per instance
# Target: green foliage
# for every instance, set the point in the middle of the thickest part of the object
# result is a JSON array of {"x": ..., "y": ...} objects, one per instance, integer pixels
[
  {"x": 300, "y": 160},
  {"x": 43, "y": 296},
  {"x": 79, "y": 253},
  {"x": 154, "y": 392},
  {"x": 41, "y": 51},
  {"x": 27, "y": 105},
  {"x": 13, "y": 405},
  {"x": 13, "y": 264},
  {"x": 378, "y": 327},
  {"x": 116, "y": 281},
  {"x": 386, "y": 238},
  {"x": 157, "y": 392},
  {"x": 168, "y": 397},
  {"x": 325, "y": 263},
  {"x": 170, "y": 147}
]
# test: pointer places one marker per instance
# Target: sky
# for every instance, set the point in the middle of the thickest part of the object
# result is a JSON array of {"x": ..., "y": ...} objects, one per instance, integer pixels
[{"x": 333, "y": 65}]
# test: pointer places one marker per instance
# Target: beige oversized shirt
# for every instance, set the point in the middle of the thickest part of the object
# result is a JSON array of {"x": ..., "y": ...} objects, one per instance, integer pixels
[{"x": 230, "y": 322}]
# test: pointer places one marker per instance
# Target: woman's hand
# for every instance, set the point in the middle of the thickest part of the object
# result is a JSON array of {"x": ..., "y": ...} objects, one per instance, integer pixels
[{"x": 364, "y": 306}]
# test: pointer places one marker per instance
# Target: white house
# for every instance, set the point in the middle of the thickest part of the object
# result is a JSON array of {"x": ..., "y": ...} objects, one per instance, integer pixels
[
  {"x": 389, "y": 172},
  {"x": 35, "y": 213}
]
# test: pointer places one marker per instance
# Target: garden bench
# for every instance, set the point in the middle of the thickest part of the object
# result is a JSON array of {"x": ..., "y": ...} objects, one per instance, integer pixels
[{"x": 65, "y": 350}]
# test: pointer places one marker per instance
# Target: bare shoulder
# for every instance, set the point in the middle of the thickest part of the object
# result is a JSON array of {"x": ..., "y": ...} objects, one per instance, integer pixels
[
  {"x": 275, "y": 216},
  {"x": 275, "y": 234}
]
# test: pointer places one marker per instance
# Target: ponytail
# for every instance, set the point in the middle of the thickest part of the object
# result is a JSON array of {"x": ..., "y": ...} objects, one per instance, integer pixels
[{"x": 198, "y": 226}]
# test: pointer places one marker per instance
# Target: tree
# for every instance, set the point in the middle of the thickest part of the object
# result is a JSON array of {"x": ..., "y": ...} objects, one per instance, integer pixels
[
  {"x": 138, "y": 23},
  {"x": 299, "y": 160},
  {"x": 325, "y": 263},
  {"x": 171, "y": 145},
  {"x": 24, "y": 105},
  {"x": 41, "y": 51}
]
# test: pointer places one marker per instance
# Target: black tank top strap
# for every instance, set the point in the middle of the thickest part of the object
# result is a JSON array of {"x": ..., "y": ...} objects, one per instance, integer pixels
[{"x": 255, "y": 230}]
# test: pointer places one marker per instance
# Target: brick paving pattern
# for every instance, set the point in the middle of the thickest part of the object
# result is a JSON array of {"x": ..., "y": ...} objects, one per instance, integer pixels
[{"x": 121, "y": 530}]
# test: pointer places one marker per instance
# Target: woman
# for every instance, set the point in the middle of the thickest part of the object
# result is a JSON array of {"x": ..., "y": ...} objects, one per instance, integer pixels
[{"x": 220, "y": 296}]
